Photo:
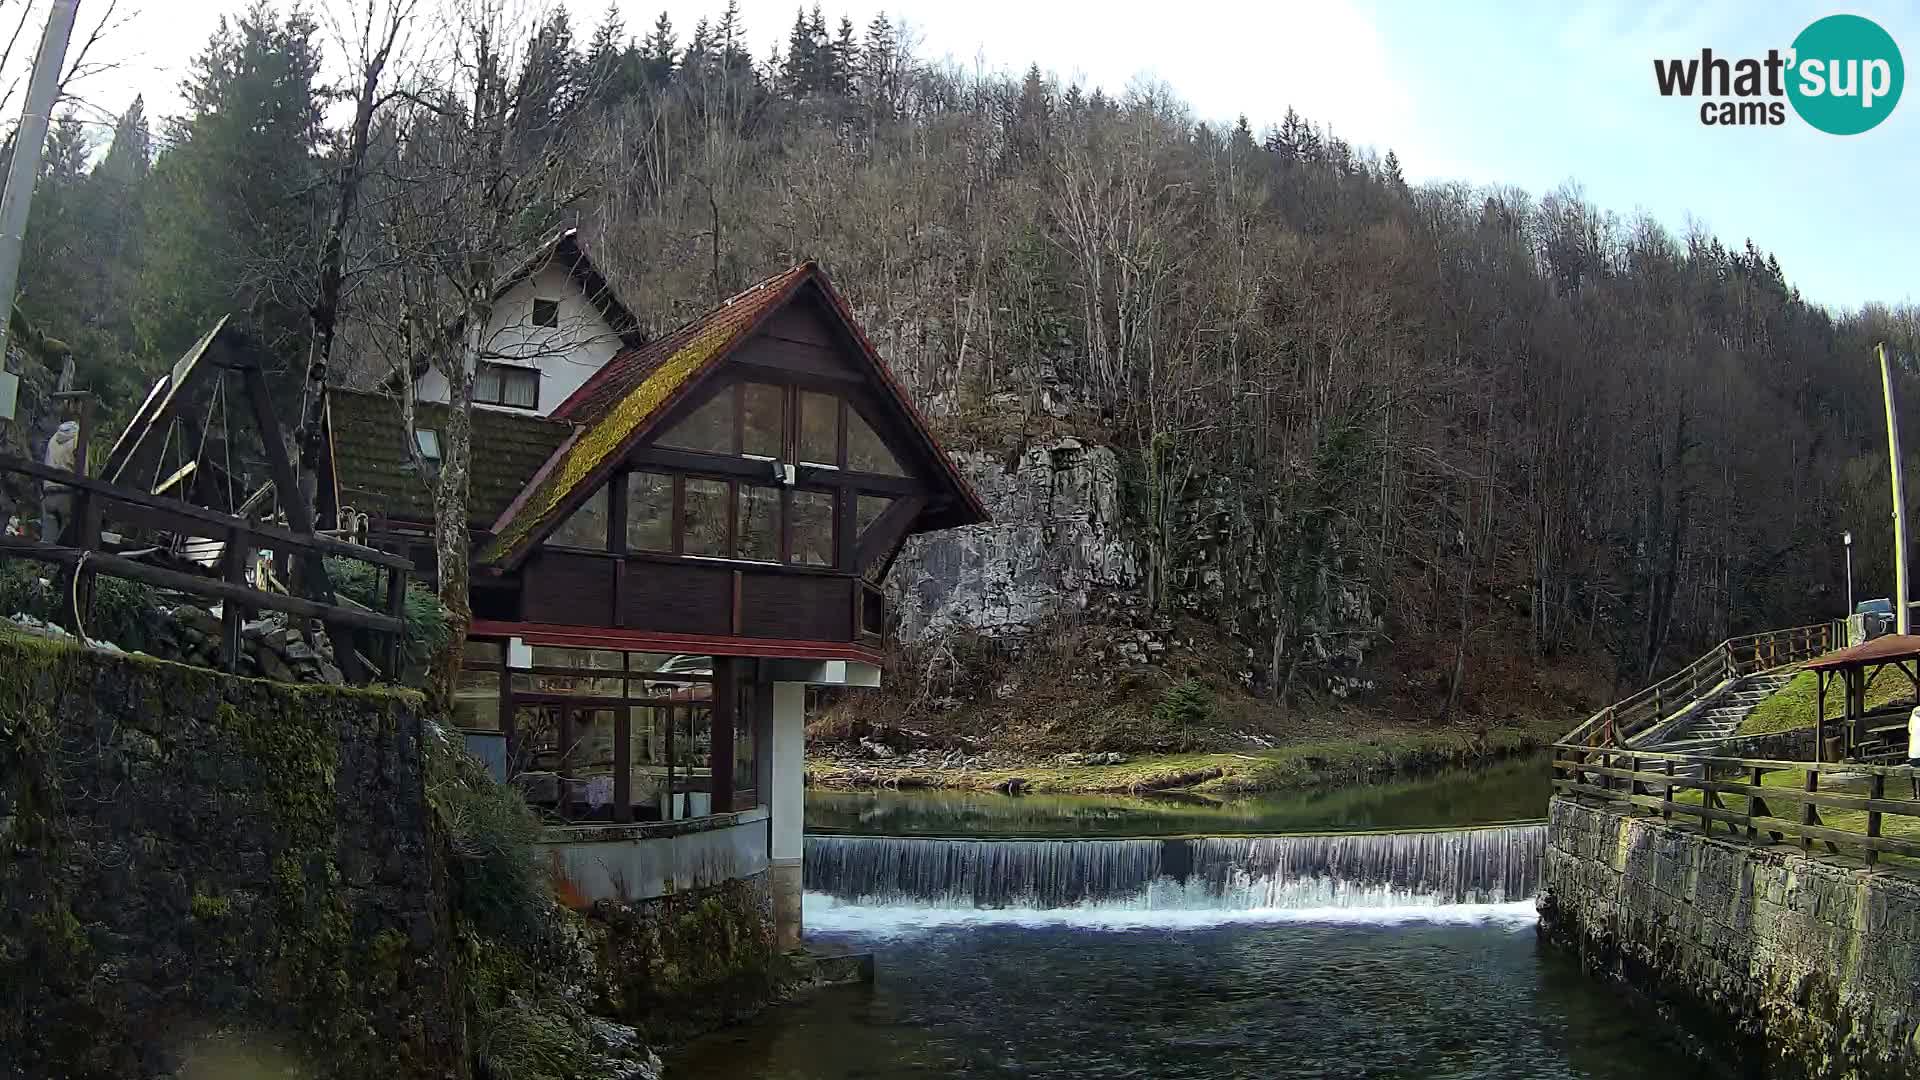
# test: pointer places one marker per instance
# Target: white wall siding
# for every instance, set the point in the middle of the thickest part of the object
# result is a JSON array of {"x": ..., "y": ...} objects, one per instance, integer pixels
[{"x": 567, "y": 354}]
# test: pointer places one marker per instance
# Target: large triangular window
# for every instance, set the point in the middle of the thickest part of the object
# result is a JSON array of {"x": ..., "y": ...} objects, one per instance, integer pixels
[
  {"x": 709, "y": 429},
  {"x": 586, "y": 527},
  {"x": 866, "y": 452}
]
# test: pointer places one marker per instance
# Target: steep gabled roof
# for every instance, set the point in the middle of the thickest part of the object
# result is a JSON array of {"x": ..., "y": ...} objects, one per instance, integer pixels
[
  {"x": 373, "y": 472},
  {"x": 620, "y": 403},
  {"x": 565, "y": 249}
]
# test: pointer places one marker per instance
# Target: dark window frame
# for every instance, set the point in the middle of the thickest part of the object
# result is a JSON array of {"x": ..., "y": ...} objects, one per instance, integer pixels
[
  {"x": 549, "y": 306},
  {"x": 501, "y": 401}
]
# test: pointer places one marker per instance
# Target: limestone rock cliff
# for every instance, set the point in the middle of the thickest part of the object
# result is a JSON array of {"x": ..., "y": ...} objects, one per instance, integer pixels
[{"x": 1056, "y": 547}]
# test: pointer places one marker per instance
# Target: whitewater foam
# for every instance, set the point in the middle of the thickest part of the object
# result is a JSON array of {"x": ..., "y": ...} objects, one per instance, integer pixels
[{"x": 828, "y": 914}]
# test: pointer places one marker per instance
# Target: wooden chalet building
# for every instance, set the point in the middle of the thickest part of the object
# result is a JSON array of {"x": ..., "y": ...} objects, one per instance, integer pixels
[{"x": 672, "y": 539}]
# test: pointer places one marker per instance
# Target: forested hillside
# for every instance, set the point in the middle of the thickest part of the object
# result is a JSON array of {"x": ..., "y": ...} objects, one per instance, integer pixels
[{"x": 1494, "y": 425}]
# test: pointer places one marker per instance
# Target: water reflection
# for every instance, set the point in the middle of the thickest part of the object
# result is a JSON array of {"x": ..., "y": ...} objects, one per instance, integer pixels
[
  {"x": 1240, "y": 1000},
  {"x": 1515, "y": 790}
]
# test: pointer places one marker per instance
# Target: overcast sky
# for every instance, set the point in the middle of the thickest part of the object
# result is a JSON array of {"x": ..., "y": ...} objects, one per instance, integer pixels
[{"x": 1511, "y": 92}]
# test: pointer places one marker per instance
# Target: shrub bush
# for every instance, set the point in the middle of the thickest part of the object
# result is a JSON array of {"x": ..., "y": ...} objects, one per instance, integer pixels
[
  {"x": 425, "y": 619},
  {"x": 1186, "y": 704},
  {"x": 124, "y": 612},
  {"x": 498, "y": 885}
]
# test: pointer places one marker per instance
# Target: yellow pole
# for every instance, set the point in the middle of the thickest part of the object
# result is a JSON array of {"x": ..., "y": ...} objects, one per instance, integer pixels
[{"x": 1899, "y": 503}]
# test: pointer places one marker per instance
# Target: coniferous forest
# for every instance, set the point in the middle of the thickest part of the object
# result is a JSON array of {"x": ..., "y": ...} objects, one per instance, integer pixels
[{"x": 1479, "y": 411}]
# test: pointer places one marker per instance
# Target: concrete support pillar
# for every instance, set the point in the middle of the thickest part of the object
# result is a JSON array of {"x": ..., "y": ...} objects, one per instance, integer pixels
[{"x": 787, "y": 807}]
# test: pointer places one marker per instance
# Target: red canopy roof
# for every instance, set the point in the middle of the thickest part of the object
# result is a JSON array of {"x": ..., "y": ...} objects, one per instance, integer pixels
[{"x": 1881, "y": 650}]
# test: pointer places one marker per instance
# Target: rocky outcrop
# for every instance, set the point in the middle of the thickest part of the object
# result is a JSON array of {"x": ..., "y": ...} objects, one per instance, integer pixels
[{"x": 1056, "y": 547}]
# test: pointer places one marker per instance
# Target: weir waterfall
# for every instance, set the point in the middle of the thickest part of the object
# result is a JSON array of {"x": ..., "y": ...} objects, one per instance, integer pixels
[{"x": 1352, "y": 872}]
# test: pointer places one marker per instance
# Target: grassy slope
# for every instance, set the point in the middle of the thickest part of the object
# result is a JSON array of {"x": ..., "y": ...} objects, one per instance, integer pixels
[
  {"x": 1065, "y": 696},
  {"x": 1792, "y": 706}
]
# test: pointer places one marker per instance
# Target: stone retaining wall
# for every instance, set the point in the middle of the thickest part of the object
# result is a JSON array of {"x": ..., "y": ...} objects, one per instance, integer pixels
[
  {"x": 1810, "y": 966},
  {"x": 195, "y": 867}
]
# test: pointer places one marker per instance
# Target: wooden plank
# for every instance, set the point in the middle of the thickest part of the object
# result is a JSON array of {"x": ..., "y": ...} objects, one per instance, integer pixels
[
  {"x": 1833, "y": 799},
  {"x": 1769, "y": 764},
  {"x": 233, "y": 562},
  {"x": 186, "y": 517},
  {"x": 191, "y": 583},
  {"x": 1779, "y": 826},
  {"x": 887, "y": 532}
]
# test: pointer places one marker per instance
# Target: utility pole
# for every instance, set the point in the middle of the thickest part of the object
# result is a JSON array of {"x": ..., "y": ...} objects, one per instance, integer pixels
[
  {"x": 29, "y": 139},
  {"x": 1899, "y": 502}
]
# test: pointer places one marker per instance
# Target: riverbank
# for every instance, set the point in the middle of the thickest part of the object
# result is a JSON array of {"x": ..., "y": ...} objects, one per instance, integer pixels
[{"x": 1314, "y": 763}]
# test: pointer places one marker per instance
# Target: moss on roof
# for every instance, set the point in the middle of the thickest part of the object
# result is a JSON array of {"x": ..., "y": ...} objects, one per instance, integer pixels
[
  {"x": 599, "y": 440},
  {"x": 635, "y": 393},
  {"x": 376, "y": 475}
]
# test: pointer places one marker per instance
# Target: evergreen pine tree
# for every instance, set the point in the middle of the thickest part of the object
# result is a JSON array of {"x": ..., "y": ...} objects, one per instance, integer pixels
[
  {"x": 230, "y": 220},
  {"x": 845, "y": 54},
  {"x": 657, "y": 53},
  {"x": 797, "y": 72}
]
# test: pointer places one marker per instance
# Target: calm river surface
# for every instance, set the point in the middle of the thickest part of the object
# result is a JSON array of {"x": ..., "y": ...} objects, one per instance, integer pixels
[
  {"x": 1514, "y": 790},
  {"x": 1214, "y": 955}
]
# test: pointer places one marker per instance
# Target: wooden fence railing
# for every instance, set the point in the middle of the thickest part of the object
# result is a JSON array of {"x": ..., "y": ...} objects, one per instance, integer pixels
[
  {"x": 1731, "y": 659},
  {"x": 96, "y": 501},
  {"x": 1732, "y": 793}
]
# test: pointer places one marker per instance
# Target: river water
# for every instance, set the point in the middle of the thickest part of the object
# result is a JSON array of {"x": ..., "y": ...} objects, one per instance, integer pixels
[
  {"x": 1513, "y": 790},
  {"x": 1395, "y": 954}
]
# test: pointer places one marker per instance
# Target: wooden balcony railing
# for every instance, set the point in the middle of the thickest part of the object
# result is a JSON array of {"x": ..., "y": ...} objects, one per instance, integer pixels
[
  {"x": 85, "y": 552},
  {"x": 1731, "y": 659},
  {"x": 1733, "y": 792}
]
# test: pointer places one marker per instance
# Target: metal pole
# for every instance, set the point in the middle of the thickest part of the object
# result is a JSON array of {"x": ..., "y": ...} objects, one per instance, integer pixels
[
  {"x": 29, "y": 139},
  {"x": 1899, "y": 502},
  {"x": 1849, "y": 575}
]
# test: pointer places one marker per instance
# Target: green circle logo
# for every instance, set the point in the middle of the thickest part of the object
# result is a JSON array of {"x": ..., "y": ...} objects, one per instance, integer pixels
[{"x": 1846, "y": 75}]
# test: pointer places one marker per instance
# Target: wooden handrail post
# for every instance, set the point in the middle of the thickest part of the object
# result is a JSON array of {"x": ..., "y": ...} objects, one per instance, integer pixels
[
  {"x": 1807, "y": 812},
  {"x": 1876, "y": 790},
  {"x": 1707, "y": 800},
  {"x": 1666, "y": 808},
  {"x": 397, "y": 608},
  {"x": 1754, "y": 779},
  {"x": 233, "y": 565}
]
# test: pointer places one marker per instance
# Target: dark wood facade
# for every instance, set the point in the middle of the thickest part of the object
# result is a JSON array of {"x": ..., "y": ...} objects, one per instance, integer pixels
[{"x": 822, "y": 588}]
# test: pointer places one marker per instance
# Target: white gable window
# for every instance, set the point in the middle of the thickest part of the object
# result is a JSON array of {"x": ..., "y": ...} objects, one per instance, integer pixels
[
  {"x": 505, "y": 384},
  {"x": 546, "y": 312}
]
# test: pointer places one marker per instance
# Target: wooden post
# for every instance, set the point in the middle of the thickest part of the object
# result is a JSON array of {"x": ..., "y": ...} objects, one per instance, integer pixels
[
  {"x": 1753, "y": 778},
  {"x": 1634, "y": 786},
  {"x": 299, "y": 518},
  {"x": 1819, "y": 712},
  {"x": 1666, "y": 808},
  {"x": 623, "y": 763},
  {"x": 396, "y": 607},
  {"x": 1876, "y": 790},
  {"x": 1708, "y": 801},
  {"x": 1808, "y": 815},
  {"x": 726, "y": 698},
  {"x": 233, "y": 565}
]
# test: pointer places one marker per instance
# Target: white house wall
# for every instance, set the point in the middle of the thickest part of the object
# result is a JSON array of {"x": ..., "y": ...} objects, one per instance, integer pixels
[{"x": 567, "y": 354}]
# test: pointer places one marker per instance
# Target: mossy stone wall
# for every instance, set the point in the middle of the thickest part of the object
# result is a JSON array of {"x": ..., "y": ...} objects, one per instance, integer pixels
[
  {"x": 1797, "y": 967},
  {"x": 196, "y": 864},
  {"x": 678, "y": 965}
]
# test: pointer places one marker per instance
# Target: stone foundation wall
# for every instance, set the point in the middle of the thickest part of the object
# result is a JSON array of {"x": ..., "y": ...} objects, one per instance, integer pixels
[
  {"x": 1809, "y": 968},
  {"x": 204, "y": 868},
  {"x": 678, "y": 965}
]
